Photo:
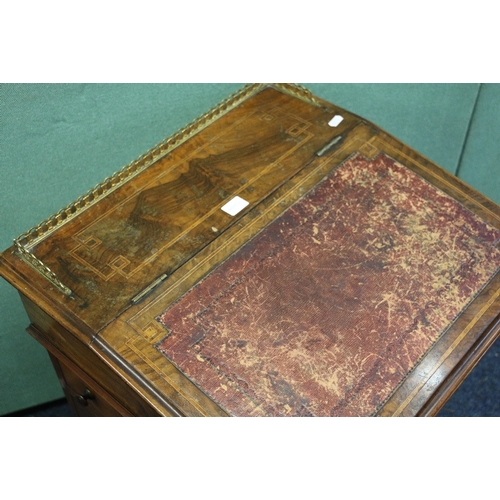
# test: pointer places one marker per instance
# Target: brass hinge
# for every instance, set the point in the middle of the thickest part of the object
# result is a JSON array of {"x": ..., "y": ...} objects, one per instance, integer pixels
[
  {"x": 334, "y": 142},
  {"x": 149, "y": 288}
]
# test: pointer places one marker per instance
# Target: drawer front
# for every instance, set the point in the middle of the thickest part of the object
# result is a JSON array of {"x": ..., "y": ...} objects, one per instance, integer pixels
[
  {"x": 85, "y": 397},
  {"x": 73, "y": 353},
  {"x": 93, "y": 406}
]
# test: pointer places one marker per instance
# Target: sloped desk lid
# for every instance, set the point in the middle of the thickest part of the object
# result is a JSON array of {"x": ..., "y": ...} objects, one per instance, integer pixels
[
  {"x": 330, "y": 307},
  {"x": 361, "y": 286},
  {"x": 375, "y": 282},
  {"x": 110, "y": 248}
]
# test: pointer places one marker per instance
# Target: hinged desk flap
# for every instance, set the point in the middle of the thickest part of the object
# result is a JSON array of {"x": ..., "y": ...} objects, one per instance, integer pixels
[{"x": 118, "y": 249}]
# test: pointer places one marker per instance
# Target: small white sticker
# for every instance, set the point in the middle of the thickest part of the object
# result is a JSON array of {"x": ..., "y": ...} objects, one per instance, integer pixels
[
  {"x": 336, "y": 121},
  {"x": 235, "y": 206}
]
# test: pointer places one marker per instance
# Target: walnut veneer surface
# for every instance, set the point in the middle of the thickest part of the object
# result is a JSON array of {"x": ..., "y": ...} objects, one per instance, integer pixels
[{"x": 102, "y": 279}]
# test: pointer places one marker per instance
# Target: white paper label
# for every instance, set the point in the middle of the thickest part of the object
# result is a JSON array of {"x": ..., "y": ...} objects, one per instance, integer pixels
[
  {"x": 336, "y": 121},
  {"x": 235, "y": 206}
]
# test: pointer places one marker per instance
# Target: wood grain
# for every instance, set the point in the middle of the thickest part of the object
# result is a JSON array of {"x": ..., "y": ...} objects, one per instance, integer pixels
[{"x": 166, "y": 220}]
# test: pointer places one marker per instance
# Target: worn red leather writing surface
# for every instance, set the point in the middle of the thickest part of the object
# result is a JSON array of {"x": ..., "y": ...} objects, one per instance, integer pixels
[{"x": 329, "y": 308}]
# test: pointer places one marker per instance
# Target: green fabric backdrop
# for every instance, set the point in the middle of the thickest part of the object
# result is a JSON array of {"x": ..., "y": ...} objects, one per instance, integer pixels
[
  {"x": 57, "y": 141},
  {"x": 480, "y": 166}
]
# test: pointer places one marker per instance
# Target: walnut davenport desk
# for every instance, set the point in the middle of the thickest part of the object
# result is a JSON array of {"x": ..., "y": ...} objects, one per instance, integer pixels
[{"x": 279, "y": 256}]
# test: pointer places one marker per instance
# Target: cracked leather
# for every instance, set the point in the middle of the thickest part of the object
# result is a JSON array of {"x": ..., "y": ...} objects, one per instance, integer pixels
[{"x": 329, "y": 308}]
